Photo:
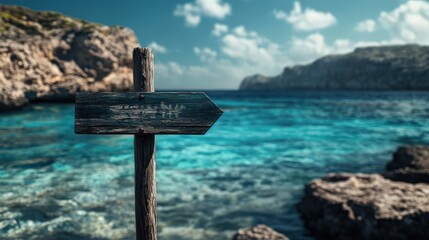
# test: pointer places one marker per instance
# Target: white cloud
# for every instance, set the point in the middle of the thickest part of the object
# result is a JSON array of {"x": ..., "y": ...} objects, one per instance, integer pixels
[
  {"x": 222, "y": 74},
  {"x": 190, "y": 12},
  {"x": 307, "y": 20},
  {"x": 213, "y": 75},
  {"x": 205, "y": 54},
  {"x": 219, "y": 29},
  {"x": 168, "y": 70},
  {"x": 242, "y": 32},
  {"x": 208, "y": 8},
  {"x": 366, "y": 26},
  {"x": 408, "y": 22},
  {"x": 306, "y": 49},
  {"x": 213, "y": 8},
  {"x": 158, "y": 48},
  {"x": 249, "y": 47},
  {"x": 343, "y": 46},
  {"x": 242, "y": 53}
]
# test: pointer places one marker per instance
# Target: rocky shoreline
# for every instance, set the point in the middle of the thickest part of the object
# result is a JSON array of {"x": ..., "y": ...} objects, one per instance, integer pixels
[
  {"x": 393, "y": 205},
  {"x": 258, "y": 232},
  {"x": 46, "y": 56}
]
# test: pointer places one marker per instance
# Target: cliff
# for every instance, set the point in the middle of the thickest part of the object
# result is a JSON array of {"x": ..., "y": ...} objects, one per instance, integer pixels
[
  {"x": 404, "y": 67},
  {"x": 46, "y": 56}
]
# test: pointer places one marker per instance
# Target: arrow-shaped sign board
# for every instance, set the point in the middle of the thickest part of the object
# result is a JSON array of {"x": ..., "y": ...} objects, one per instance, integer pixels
[{"x": 144, "y": 113}]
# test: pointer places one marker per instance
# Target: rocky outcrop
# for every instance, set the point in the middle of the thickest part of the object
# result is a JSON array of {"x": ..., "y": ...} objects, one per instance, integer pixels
[
  {"x": 409, "y": 164},
  {"x": 411, "y": 157},
  {"x": 48, "y": 56},
  {"x": 403, "y": 67},
  {"x": 394, "y": 205},
  {"x": 365, "y": 206},
  {"x": 259, "y": 232}
]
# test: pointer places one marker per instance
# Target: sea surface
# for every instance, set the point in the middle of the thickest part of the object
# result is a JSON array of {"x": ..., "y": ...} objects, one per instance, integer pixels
[{"x": 250, "y": 168}]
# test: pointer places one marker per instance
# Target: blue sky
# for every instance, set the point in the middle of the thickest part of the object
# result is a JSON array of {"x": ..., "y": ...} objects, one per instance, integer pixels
[{"x": 214, "y": 44}]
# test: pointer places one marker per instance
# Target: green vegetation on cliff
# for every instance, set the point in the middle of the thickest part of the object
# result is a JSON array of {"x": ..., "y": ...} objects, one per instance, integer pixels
[{"x": 32, "y": 22}]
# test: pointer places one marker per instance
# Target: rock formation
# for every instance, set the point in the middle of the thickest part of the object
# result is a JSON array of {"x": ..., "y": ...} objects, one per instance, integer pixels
[
  {"x": 371, "y": 206},
  {"x": 403, "y": 67},
  {"x": 259, "y": 232},
  {"x": 409, "y": 164},
  {"x": 46, "y": 56},
  {"x": 365, "y": 206}
]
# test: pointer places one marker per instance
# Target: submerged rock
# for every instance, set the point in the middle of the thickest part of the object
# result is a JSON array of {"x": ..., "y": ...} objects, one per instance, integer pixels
[
  {"x": 402, "y": 67},
  {"x": 48, "y": 56},
  {"x": 259, "y": 232},
  {"x": 365, "y": 206},
  {"x": 409, "y": 164}
]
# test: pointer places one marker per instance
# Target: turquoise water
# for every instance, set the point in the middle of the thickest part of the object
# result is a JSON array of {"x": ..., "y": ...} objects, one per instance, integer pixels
[{"x": 250, "y": 168}]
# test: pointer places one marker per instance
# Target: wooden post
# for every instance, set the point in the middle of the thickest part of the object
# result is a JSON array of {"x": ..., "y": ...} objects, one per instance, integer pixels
[
  {"x": 144, "y": 113},
  {"x": 144, "y": 152}
]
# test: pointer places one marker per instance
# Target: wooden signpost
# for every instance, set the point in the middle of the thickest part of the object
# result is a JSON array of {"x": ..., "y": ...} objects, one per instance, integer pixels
[{"x": 144, "y": 113}]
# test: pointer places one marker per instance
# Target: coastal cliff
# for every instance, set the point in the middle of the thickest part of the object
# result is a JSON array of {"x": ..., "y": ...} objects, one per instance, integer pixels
[
  {"x": 46, "y": 56},
  {"x": 404, "y": 67}
]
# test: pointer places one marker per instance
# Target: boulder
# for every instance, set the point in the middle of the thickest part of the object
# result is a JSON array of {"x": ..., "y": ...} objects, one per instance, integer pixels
[
  {"x": 409, "y": 164},
  {"x": 46, "y": 56},
  {"x": 259, "y": 232},
  {"x": 365, "y": 206}
]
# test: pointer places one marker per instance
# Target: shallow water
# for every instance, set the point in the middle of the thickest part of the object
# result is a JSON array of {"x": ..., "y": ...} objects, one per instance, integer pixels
[{"x": 250, "y": 168}]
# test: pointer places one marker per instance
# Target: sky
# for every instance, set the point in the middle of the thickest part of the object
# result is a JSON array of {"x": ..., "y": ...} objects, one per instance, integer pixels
[{"x": 214, "y": 44}]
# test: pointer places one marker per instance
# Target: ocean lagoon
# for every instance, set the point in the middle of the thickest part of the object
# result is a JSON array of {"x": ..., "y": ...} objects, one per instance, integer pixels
[{"x": 250, "y": 168}]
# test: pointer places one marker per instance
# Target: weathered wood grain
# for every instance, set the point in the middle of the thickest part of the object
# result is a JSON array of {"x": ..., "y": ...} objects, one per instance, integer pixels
[
  {"x": 144, "y": 153},
  {"x": 144, "y": 114},
  {"x": 138, "y": 112}
]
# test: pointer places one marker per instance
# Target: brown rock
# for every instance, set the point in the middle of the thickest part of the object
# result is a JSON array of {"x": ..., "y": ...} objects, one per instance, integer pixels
[
  {"x": 362, "y": 206},
  {"x": 48, "y": 56},
  {"x": 259, "y": 232},
  {"x": 414, "y": 156},
  {"x": 409, "y": 164}
]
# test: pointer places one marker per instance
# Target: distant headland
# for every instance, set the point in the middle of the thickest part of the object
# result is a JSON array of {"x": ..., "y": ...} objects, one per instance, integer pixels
[{"x": 401, "y": 67}]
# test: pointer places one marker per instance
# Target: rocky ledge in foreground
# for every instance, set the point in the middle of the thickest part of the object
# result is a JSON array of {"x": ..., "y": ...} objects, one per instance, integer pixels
[
  {"x": 404, "y": 67},
  {"x": 370, "y": 206},
  {"x": 259, "y": 232},
  {"x": 361, "y": 206},
  {"x": 48, "y": 56}
]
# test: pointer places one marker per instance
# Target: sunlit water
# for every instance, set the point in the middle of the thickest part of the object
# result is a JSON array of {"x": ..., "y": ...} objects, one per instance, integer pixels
[{"x": 250, "y": 168}]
